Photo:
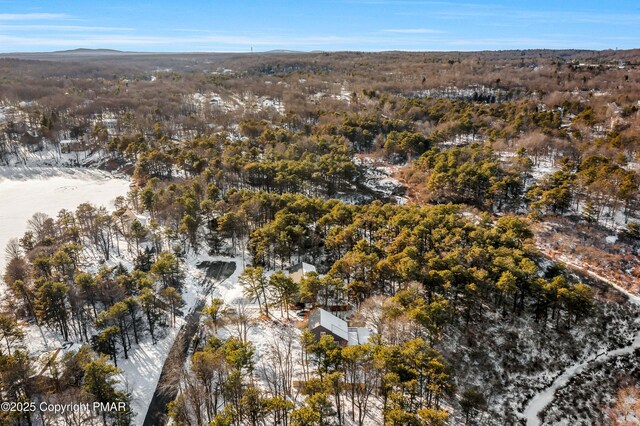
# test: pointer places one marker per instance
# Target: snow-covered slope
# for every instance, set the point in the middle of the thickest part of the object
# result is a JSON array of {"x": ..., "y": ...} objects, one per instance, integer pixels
[{"x": 542, "y": 399}]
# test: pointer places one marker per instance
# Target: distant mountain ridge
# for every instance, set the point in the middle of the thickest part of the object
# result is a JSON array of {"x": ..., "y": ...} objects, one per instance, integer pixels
[{"x": 86, "y": 50}]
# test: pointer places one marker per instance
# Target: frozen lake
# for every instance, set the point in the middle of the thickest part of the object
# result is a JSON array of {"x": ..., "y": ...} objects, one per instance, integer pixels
[{"x": 25, "y": 191}]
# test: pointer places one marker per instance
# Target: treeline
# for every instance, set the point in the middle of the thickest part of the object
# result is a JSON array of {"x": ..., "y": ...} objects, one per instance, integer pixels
[
  {"x": 275, "y": 160},
  {"x": 381, "y": 249},
  {"x": 597, "y": 188},
  {"x": 66, "y": 98},
  {"x": 371, "y": 249}
]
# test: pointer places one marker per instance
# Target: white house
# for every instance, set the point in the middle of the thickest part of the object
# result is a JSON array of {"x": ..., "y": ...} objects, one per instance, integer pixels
[{"x": 322, "y": 322}]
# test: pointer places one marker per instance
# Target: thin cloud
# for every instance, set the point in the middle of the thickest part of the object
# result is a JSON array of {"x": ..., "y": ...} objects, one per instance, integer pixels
[
  {"x": 592, "y": 17},
  {"x": 520, "y": 16},
  {"x": 209, "y": 41},
  {"x": 71, "y": 28},
  {"x": 521, "y": 43},
  {"x": 31, "y": 16},
  {"x": 412, "y": 31}
]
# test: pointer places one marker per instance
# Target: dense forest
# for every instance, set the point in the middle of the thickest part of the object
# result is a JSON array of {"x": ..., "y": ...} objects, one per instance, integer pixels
[{"x": 265, "y": 161}]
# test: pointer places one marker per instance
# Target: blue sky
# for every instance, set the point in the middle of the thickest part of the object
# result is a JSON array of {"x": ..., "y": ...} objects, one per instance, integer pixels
[{"x": 368, "y": 25}]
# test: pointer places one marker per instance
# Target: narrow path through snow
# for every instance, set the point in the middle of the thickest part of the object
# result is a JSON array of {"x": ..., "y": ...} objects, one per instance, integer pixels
[{"x": 543, "y": 398}]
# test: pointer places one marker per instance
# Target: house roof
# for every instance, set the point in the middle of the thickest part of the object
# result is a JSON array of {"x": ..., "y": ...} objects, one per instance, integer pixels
[
  {"x": 358, "y": 335},
  {"x": 302, "y": 267},
  {"x": 298, "y": 271},
  {"x": 330, "y": 322}
]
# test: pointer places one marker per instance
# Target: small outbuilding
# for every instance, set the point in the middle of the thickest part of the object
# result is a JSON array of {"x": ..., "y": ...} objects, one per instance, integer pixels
[{"x": 297, "y": 272}]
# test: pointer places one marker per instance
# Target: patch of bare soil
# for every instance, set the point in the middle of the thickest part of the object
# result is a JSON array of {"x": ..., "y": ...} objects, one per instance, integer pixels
[{"x": 586, "y": 248}]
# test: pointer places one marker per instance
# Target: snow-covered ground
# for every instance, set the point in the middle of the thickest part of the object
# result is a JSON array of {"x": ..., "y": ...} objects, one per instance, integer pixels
[
  {"x": 51, "y": 155},
  {"x": 234, "y": 102},
  {"x": 25, "y": 191},
  {"x": 142, "y": 369},
  {"x": 380, "y": 177},
  {"x": 460, "y": 140},
  {"x": 537, "y": 404},
  {"x": 262, "y": 332},
  {"x": 542, "y": 167}
]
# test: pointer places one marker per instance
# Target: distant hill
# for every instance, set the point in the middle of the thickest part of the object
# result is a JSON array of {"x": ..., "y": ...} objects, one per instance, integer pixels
[
  {"x": 282, "y": 51},
  {"x": 129, "y": 64},
  {"x": 84, "y": 51}
]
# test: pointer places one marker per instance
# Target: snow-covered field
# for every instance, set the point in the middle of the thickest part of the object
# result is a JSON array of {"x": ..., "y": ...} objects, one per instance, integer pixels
[{"x": 25, "y": 191}]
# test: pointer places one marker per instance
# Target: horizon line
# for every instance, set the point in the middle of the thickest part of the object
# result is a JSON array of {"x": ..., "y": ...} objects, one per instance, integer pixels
[{"x": 293, "y": 51}]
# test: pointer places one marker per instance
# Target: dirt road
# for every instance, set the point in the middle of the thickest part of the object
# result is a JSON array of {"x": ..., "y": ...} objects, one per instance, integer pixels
[{"x": 167, "y": 388}]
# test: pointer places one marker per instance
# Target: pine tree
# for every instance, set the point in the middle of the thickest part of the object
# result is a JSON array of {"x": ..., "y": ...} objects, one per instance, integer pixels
[
  {"x": 51, "y": 306},
  {"x": 284, "y": 290},
  {"x": 590, "y": 213},
  {"x": 10, "y": 332},
  {"x": 175, "y": 301},
  {"x": 101, "y": 384},
  {"x": 255, "y": 284}
]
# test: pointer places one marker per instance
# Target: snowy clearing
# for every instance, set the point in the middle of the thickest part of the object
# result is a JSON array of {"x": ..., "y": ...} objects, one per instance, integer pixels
[{"x": 381, "y": 177}]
